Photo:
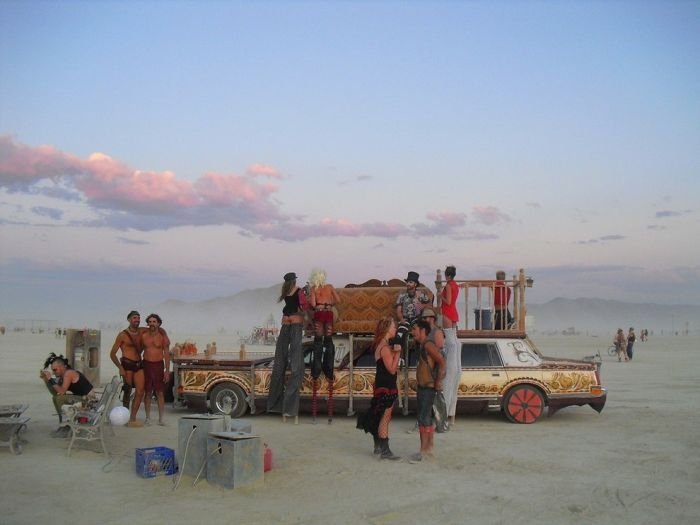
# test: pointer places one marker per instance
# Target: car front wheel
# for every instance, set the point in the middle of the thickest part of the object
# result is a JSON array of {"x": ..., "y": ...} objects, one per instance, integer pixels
[{"x": 523, "y": 404}]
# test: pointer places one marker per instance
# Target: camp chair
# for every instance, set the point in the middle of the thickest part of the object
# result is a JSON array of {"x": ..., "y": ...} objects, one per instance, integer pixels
[
  {"x": 12, "y": 423},
  {"x": 59, "y": 402},
  {"x": 95, "y": 419}
]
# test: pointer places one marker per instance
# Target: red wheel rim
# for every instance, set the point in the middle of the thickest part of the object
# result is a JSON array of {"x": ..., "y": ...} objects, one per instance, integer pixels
[{"x": 525, "y": 405}]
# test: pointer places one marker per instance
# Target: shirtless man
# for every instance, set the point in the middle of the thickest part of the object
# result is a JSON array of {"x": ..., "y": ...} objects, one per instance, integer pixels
[
  {"x": 130, "y": 365},
  {"x": 156, "y": 365}
]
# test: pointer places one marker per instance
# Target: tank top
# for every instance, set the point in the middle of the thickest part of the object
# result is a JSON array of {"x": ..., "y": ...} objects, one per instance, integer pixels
[
  {"x": 431, "y": 338},
  {"x": 450, "y": 310},
  {"x": 291, "y": 304},
  {"x": 82, "y": 386},
  {"x": 382, "y": 378}
]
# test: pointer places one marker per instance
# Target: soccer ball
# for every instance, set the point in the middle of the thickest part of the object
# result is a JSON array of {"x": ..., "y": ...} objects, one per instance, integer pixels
[{"x": 119, "y": 416}]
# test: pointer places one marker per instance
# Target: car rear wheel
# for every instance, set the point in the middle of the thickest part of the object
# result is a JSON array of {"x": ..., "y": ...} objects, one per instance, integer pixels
[
  {"x": 523, "y": 404},
  {"x": 229, "y": 399}
]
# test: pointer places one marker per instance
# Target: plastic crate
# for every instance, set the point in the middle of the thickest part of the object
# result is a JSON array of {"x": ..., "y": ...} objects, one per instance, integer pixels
[{"x": 151, "y": 462}]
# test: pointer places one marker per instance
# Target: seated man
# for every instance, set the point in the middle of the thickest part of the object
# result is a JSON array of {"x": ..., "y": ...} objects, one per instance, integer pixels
[
  {"x": 409, "y": 306},
  {"x": 68, "y": 387}
]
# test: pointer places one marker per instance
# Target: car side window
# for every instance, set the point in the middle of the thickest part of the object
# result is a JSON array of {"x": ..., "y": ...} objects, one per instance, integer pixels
[{"x": 478, "y": 355}]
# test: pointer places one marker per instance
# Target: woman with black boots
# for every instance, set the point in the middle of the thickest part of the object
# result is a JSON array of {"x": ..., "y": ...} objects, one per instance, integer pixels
[{"x": 376, "y": 420}]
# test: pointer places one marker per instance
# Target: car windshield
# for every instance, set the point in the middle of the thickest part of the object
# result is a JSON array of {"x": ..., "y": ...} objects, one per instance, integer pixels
[{"x": 534, "y": 348}]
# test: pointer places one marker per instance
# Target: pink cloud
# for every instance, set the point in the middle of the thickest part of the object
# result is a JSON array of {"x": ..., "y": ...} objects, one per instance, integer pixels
[
  {"x": 150, "y": 200},
  {"x": 489, "y": 215},
  {"x": 22, "y": 165},
  {"x": 448, "y": 218},
  {"x": 263, "y": 170}
]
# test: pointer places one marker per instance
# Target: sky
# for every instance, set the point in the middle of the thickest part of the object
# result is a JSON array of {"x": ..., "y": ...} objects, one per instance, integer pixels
[{"x": 156, "y": 150}]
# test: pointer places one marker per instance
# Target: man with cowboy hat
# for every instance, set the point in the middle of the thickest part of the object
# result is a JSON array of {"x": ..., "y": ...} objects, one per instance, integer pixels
[{"x": 409, "y": 305}]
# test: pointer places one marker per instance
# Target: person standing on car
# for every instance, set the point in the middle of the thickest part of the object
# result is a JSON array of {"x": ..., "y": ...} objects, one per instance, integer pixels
[
  {"x": 501, "y": 297},
  {"x": 377, "y": 418},
  {"x": 285, "y": 399},
  {"x": 453, "y": 358},
  {"x": 631, "y": 338}
]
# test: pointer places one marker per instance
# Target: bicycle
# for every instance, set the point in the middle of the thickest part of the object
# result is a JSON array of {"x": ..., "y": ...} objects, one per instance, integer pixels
[{"x": 612, "y": 350}]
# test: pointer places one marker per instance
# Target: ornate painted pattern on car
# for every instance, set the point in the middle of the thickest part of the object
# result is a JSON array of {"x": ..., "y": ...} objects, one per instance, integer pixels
[{"x": 565, "y": 382}]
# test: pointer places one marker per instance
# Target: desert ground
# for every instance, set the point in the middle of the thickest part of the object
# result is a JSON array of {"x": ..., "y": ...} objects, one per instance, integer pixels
[{"x": 636, "y": 462}]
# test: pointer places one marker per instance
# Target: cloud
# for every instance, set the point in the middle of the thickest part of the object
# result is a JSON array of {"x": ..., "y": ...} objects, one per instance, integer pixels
[
  {"x": 51, "y": 213},
  {"x": 603, "y": 239},
  {"x": 612, "y": 237},
  {"x": 489, "y": 215},
  {"x": 126, "y": 198},
  {"x": 533, "y": 204},
  {"x": 441, "y": 223},
  {"x": 671, "y": 213},
  {"x": 126, "y": 240},
  {"x": 359, "y": 178},
  {"x": 263, "y": 170},
  {"x": 656, "y": 227}
]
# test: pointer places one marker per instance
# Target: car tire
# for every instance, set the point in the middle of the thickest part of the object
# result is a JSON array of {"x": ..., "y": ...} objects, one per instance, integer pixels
[
  {"x": 523, "y": 404},
  {"x": 228, "y": 399}
]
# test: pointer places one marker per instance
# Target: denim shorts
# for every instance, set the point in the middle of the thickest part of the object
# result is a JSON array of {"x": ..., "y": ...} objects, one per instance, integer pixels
[{"x": 425, "y": 397}]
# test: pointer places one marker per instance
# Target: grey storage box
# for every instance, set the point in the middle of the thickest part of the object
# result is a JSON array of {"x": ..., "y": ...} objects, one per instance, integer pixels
[
  {"x": 193, "y": 431},
  {"x": 234, "y": 459}
]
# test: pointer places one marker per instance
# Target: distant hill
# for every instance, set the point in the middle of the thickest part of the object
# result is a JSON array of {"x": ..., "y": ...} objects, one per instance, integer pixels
[
  {"x": 242, "y": 311},
  {"x": 238, "y": 312},
  {"x": 605, "y": 316}
]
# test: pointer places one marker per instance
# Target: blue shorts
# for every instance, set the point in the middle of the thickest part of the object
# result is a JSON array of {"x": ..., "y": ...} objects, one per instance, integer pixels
[{"x": 425, "y": 397}]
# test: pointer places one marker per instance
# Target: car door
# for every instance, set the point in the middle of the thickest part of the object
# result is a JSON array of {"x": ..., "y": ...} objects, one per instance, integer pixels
[{"x": 483, "y": 374}]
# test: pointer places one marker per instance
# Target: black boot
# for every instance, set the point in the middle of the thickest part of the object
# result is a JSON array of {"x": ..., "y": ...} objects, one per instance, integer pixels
[
  {"x": 377, "y": 445},
  {"x": 386, "y": 451}
]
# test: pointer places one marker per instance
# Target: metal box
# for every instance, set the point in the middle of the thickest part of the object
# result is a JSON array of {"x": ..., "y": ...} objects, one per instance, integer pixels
[
  {"x": 83, "y": 352},
  {"x": 234, "y": 459},
  {"x": 193, "y": 431}
]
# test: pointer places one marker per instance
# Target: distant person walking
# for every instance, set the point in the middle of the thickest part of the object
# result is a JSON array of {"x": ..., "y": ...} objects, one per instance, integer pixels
[
  {"x": 621, "y": 345},
  {"x": 631, "y": 338}
]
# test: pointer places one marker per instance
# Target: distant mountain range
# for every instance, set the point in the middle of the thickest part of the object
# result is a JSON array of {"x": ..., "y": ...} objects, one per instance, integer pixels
[
  {"x": 249, "y": 308},
  {"x": 605, "y": 316}
]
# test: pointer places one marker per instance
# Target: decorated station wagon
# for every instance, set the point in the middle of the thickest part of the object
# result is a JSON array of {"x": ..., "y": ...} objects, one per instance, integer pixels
[{"x": 502, "y": 370}]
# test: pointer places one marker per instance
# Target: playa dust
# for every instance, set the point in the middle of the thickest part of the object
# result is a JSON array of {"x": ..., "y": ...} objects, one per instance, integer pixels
[{"x": 637, "y": 462}]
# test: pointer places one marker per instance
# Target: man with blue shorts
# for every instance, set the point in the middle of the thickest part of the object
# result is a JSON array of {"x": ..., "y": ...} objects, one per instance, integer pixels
[{"x": 429, "y": 375}]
